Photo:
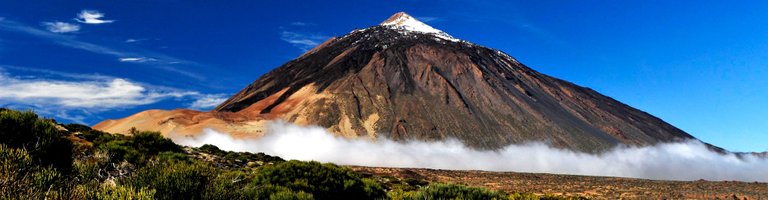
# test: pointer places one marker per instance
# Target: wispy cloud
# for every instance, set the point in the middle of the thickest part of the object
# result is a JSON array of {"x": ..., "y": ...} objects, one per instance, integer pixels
[
  {"x": 134, "y": 40},
  {"x": 426, "y": 19},
  {"x": 48, "y": 73},
  {"x": 164, "y": 62},
  {"x": 61, "y": 27},
  {"x": 205, "y": 102},
  {"x": 303, "y": 41},
  {"x": 137, "y": 59},
  {"x": 302, "y": 24},
  {"x": 59, "y": 39},
  {"x": 92, "y": 17}
]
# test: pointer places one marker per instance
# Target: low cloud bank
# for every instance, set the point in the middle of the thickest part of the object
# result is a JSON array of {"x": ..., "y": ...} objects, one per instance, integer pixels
[{"x": 671, "y": 161}]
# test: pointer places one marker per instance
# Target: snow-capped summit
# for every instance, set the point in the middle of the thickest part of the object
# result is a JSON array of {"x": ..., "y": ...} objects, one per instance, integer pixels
[{"x": 403, "y": 21}]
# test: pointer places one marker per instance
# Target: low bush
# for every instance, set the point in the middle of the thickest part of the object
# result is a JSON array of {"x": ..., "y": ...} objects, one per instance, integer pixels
[
  {"x": 21, "y": 178},
  {"x": 453, "y": 191},
  {"x": 239, "y": 156},
  {"x": 112, "y": 192},
  {"x": 136, "y": 148},
  {"x": 229, "y": 185},
  {"x": 323, "y": 181},
  {"x": 173, "y": 179},
  {"x": 275, "y": 192},
  {"x": 41, "y": 139}
]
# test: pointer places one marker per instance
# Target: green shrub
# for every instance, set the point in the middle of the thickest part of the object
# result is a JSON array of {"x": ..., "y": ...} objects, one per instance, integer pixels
[
  {"x": 21, "y": 178},
  {"x": 42, "y": 140},
  {"x": 211, "y": 149},
  {"x": 153, "y": 142},
  {"x": 87, "y": 132},
  {"x": 174, "y": 156},
  {"x": 229, "y": 185},
  {"x": 87, "y": 170},
  {"x": 95, "y": 191},
  {"x": 77, "y": 127},
  {"x": 373, "y": 188},
  {"x": 137, "y": 148},
  {"x": 400, "y": 194},
  {"x": 290, "y": 195},
  {"x": 323, "y": 181},
  {"x": 523, "y": 196},
  {"x": 173, "y": 180},
  {"x": 239, "y": 156},
  {"x": 415, "y": 182},
  {"x": 453, "y": 191},
  {"x": 277, "y": 192},
  {"x": 107, "y": 192}
]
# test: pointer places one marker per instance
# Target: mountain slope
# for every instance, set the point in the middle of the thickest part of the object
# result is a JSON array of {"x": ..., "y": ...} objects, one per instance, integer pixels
[{"x": 406, "y": 80}]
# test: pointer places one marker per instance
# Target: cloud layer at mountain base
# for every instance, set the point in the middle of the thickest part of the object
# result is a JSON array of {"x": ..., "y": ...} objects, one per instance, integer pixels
[{"x": 671, "y": 161}]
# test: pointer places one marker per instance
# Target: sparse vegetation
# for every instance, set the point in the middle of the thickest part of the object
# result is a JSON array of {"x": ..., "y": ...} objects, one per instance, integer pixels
[
  {"x": 239, "y": 157},
  {"x": 452, "y": 191},
  {"x": 323, "y": 181},
  {"x": 40, "y": 159},
  {"x": 172, "y": 179},
  {"x": 21, "y": 178},
  {"x": 40, "y": 138}
]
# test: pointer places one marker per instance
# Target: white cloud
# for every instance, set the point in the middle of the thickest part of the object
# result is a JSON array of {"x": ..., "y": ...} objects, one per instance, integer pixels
[
  {"x": 80, "y": 98},
  {"x": 137, "y": 59},
  {"x": 91, "y": 17},
  {"x": 208, "y": 101},
  {"x": 689, "y": 160},
  {"x": 303, "y": 41},
  {"x": 61, "y": 27},
  {"x": 89, "y": 94}
]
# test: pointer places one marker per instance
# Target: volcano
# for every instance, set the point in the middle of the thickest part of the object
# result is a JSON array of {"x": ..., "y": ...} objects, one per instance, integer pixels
[{"x": 405, "y": 80}]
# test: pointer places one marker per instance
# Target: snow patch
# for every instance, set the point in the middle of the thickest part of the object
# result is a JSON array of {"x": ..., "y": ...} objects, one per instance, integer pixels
[{"x": 404, "y": 22}]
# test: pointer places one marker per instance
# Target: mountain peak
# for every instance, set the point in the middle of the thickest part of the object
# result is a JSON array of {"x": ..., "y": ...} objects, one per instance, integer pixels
[
  {"x": 404, "y": 80},
  {"x": 403, "y": 21},
  {"x": 397, "y": 17}
]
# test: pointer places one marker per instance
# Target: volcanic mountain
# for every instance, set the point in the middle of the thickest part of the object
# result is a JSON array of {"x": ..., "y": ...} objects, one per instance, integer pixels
[{"x": 405, "y": 80}]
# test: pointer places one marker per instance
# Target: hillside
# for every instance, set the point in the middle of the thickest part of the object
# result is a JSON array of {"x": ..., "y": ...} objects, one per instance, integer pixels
[
  {"x": 41, "y": 159},
  {"x": 77, "y": 162}
]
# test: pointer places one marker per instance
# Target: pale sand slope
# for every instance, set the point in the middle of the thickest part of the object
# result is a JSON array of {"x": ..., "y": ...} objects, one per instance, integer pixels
[{"x": 249, "y": 122}]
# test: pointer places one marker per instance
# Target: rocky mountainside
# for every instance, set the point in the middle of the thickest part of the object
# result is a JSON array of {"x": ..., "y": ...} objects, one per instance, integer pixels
[{"x": 404, "y": 80}]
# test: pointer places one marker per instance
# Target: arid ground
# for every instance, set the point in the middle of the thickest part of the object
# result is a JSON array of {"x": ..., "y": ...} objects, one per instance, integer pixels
[{"x": 592, "y": 187}]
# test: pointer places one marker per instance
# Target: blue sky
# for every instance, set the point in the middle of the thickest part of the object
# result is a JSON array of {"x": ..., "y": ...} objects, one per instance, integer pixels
[{"x": 699, "y": 65}]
